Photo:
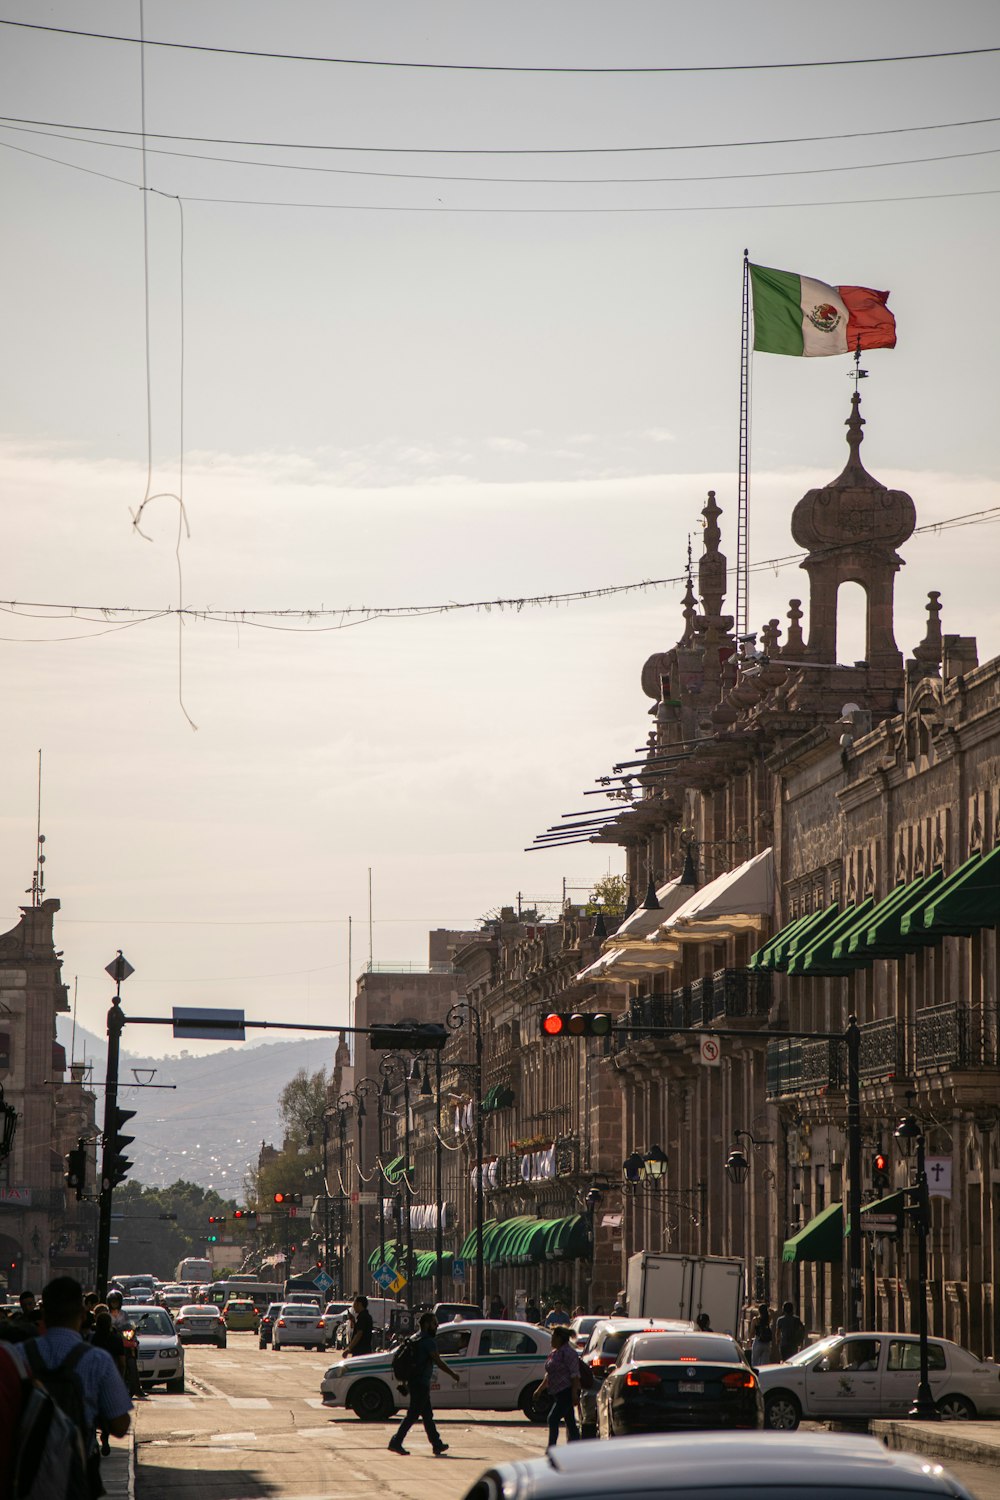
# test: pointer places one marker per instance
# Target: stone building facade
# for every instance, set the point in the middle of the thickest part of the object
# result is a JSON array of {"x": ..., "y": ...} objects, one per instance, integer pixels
[{"x": 44, "y": 1231}]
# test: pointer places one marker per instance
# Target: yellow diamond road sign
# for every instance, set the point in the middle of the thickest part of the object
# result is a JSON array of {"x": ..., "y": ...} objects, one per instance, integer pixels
[{"x": 397, "y": 1286}]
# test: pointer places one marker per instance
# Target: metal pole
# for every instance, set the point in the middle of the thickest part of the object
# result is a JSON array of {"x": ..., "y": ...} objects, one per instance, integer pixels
[
  {"x": 854, "y": 1317},
  {"x": 438, "y": 1194},
  {"x": 381, "y": 1183},
  {"x": 341, "y": 1206},
  {"x": 116, "y": 1022},
  {"x": 407, "y": 1189},
  {"x": 361, "y": 1208},
  {"x": 326, "y": 1194},
  {"x": 924, "y": 1406},
  {"x": 480, "y": 1271}
]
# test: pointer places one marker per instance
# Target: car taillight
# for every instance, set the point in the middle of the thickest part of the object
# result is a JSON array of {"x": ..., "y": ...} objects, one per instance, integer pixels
[
  {"x": 178, "y": 1322},
  {"x": 281, "y": 1322},
  {"x": 321, "y": 1323},
  {"x": 642, "y": 1377},
  {"x": 602, "y": 1361},
  {"x": 739, "y": 1380}
]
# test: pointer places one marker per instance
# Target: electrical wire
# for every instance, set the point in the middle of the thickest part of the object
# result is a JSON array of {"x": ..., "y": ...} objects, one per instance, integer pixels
[
  {"x": 371, "y": 62},
  {"x": 283, "y": 166},
  {"x": 781, "y": 140},
  {"x": 264, "y": 618}
]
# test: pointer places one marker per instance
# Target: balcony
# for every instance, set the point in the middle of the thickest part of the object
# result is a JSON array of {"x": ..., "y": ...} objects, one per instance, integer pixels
[
  {"x": 799, "y": 1067},
  {"x": 883, "y": 1050},
  {"x": 739, "y": 992},
  {"x": 950, "y": 1036}
]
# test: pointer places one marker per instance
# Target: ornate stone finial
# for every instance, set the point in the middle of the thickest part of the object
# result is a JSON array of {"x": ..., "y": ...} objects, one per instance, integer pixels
[
  {"x": 855, "y": 435},
  {"x": 712, "y": 563},
  {"x": 769, "y": 638},
  {"x": 930, "y": 651},
  {"x": 689, "y": 607},
  {"x": 794, "y": 643}
]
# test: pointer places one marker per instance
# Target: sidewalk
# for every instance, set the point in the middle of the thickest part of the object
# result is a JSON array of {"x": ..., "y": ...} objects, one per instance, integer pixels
[
  {"x": 118, "y": 1469},
  {"x": 955, "y": 1442}
]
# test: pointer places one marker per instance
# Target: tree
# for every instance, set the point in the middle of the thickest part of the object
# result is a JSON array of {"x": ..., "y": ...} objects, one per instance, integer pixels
[
  {"x": 301, "y": 1105},
  {"x": 609, "y": 895},
  {"x": 149, "y": 1239}
]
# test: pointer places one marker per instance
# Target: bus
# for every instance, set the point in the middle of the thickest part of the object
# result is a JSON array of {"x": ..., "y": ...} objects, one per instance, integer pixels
[
  {"x": 261, "y": 1293},
  {"x": 194, "y": 1269}
]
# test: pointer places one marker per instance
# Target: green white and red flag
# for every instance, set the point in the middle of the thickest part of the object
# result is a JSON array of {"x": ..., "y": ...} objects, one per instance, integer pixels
[{"x": 799, "y": 315}]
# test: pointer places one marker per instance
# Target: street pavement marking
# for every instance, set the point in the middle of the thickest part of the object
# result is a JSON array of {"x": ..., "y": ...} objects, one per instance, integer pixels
[
  {"x": 313, "y": 1432},
  {"x": 233, "y": 1437},
  {"x": 316, "y": 1403},
  {"x": 175, "y": 1401},
  {"x": 249, "y": 1403}
]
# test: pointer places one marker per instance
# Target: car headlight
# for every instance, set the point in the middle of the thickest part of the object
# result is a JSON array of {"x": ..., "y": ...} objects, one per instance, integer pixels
[{"x": 169, "y": 1354}]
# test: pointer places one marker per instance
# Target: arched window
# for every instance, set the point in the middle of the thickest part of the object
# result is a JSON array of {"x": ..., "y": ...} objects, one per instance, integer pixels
[{"x": 852, "y": 623}]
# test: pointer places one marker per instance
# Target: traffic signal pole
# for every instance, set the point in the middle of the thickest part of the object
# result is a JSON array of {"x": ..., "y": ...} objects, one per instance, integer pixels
[{"x": 116, "y": 1022}]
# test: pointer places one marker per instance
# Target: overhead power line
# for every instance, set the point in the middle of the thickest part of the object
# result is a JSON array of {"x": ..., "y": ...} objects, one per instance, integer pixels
[
  {"x": 285, "y": 166},
  {"x": 410, "y": 150},
  {"x": 373, "y": 62},
  {"x": 346, "y": 616}
]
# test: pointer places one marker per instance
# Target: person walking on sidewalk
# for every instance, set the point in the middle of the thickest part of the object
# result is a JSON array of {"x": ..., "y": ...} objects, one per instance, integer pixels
[
  {"x": 420, "y": 1409},
  {"x": 562, "y": 1381}
]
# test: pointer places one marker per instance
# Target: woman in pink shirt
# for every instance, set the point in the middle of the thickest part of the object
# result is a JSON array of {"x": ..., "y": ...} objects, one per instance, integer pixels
[{"x": 562, "y": 1381}]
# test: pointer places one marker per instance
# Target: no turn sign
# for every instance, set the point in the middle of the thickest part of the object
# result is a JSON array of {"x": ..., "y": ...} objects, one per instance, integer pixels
[{"x": 709, "y": 1051}]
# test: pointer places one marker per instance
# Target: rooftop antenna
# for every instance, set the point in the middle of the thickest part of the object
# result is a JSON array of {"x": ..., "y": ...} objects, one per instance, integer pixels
[
  {"x": 857, "y": 373},
  {"x": 37, "y": 889}
]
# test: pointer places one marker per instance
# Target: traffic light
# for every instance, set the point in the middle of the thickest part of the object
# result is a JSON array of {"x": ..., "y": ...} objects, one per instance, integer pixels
[
  {"x": 288, "y": 1199},
  {"x": 245, "y": 1214},
  {"x": 116, "y": 1164},
  {"x": 216, "y": 1218},
  {"x": 292, "y": 1249},
  {"x": 880, "y": 1172},
  {"x": 213, "y": 1239},
  {"x": 575, "y": 1023},
  {"x": 409, "y": 1036},
  {"x": 75, "y": 1176}
]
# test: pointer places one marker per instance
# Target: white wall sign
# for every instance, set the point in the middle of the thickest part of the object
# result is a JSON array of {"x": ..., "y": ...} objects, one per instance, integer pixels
[
  {"x": 938, "y": 1176},
  {"x": 709, "y": 1051}
]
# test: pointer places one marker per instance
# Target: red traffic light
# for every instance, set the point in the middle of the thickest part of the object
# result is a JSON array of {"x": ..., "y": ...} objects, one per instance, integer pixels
[
  {"x": 552, "y": 1025},
  {"x": 576, "y": 1023},
  {"x": 281, "y": 1197},
  {"x": 880, "y": 1162}
]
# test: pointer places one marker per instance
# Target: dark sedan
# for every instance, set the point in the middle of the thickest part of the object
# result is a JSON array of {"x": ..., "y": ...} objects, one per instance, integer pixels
[{"x": 665, "y": 1382}]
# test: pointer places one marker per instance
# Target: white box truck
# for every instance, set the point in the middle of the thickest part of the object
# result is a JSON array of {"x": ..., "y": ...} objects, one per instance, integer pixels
[{"x": 663, "y": 1285}]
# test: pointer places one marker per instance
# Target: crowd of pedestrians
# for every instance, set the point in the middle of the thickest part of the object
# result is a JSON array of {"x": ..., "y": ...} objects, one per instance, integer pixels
[{"x": 70, "y": 1346}]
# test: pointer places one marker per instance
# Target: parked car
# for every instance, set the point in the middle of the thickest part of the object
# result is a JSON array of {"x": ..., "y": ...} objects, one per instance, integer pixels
[
  {"x": 447, "y": 1312},
  {"x": 201, "y": 1323},
  {"x": 298, "y": 1324},
  {"x": 728, "y": 1466},
  {"x": 663, "y": 1382},
  {"x": 336, "y": 1315},
  {"x": 875, "y": 1375},
  {"x": 159, "y": 1353},
  {"x": 607, "y": 1340},
  {"x": 266, "y": 1329},
  {"x": 241, "y": 1314},
  {"x": 499, "y": 1364},
  {"x": 581, "y": 1328}
]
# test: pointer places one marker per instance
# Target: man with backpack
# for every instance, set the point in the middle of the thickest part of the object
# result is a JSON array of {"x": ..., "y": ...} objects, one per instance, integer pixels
[
  {"x": 68, "y": 1388},
  {"x": 413, "y": 1366},
  {"x": 791, "y": 1332}
]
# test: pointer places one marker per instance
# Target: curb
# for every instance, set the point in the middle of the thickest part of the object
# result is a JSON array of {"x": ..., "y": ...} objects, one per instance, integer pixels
[{"x": 947, "y": 1440}]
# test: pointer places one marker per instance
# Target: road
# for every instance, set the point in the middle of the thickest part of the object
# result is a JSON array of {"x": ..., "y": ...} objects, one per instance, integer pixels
[{"x": 251, "y": 1425}]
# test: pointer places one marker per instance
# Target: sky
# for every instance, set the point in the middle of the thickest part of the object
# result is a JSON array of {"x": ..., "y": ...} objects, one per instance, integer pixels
[{"x": 385, "y": 383}]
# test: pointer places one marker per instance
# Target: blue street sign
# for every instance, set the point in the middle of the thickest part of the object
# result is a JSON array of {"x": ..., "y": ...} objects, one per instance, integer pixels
[
  {"x": 323, "y": 1281},
  {"x": 458, "y": 1270},
  {"x": 385, "y": 1276}
]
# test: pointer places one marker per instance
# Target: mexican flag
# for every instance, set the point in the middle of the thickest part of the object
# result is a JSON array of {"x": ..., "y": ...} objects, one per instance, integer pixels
[{"x": 799, "y": 315}]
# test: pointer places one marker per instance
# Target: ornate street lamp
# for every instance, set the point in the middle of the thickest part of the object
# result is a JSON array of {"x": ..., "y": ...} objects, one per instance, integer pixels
[{"x": 654, "y": 1164}]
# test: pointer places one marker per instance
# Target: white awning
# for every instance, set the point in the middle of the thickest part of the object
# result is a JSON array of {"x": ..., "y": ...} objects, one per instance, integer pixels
[
  {"x": 642, "y": 922},
  {"x": 730, "y": 904},
  {"x": 621, "y": 964}
]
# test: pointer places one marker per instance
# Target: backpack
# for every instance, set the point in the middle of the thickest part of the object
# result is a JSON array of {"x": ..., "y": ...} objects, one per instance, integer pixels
[
  {"x": 406, "y": 1361},
  {"x": 50, "y": 1461}
]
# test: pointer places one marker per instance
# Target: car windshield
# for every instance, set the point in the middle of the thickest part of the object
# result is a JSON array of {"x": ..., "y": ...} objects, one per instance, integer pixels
[
  {"x": 806, "y": 1356},
  {"x": 240, "y": 1307},
  {"x": 274, "y": 1310},
  {"x": 662, "y": 1347},
  {"x": 151, "y": 1321},
  {"x": 198, "y": 1310}
]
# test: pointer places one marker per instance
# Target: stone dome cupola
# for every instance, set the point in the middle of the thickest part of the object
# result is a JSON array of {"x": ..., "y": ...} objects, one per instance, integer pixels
[{"x": 851, "y": 528}]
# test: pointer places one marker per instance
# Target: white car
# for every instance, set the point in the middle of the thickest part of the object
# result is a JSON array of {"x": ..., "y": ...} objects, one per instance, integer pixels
[
  {"x": 300, "y": 1324},
  {"x": 159, "y": 1354},
  {"x": 499, "y": 1364},
  {"x": 876, "y": 1375},
  {"x": 201, "y": 1323}
]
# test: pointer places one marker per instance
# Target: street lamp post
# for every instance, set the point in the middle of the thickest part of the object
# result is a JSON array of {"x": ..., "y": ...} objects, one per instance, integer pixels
[
  {"x": 342, "y": 1106},
  {"x": 362, "y": 1090},
  {"x": 464, "y": 1013},
  {"x": 910, "y": 1137},
  {"x": 388, "y": 1065}
]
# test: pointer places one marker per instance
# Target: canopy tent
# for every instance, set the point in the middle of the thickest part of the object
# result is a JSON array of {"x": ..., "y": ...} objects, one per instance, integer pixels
[
  {"x": 821, "y": 1239},
  {"x": 730, "y": 904},
  {"x": 627, "y": 963}
]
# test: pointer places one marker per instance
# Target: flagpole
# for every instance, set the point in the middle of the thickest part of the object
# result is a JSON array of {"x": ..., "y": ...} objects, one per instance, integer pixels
[{"x": 743, "y": 481}]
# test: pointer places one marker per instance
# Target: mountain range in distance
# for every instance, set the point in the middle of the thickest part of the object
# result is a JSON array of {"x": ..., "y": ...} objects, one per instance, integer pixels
[{"x": 208, "y": 1125}]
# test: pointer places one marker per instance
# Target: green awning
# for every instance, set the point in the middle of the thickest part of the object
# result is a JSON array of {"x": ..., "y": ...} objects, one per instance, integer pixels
[
  {"x": 394, "y": 1171},
  {"x": 879, "y": 934},
  {"x": 815, "y": 959},
  {"x": 893, "y": 1203},
  {"x": 967, "y": 901},
  {"x": 765, "y": 959},
  {"x": 821, "y": 1239},
  {"x": 426, "y": 1264},
  {"x": 468, "y": 1251},
  {"x": 375, "y": 1259},
  {"x": 568, "y": 1239}
]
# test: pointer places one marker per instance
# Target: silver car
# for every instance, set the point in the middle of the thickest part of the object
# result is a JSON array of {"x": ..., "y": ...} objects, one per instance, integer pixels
[
  {"x": 875, "y": 1375},
  {"x": 159, "y": 1353},
  {"x": 299, "y": 1324}
]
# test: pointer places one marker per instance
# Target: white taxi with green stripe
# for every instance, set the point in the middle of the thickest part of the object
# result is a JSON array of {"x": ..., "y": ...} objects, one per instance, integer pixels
[{"x": 498, "y": 1364}]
